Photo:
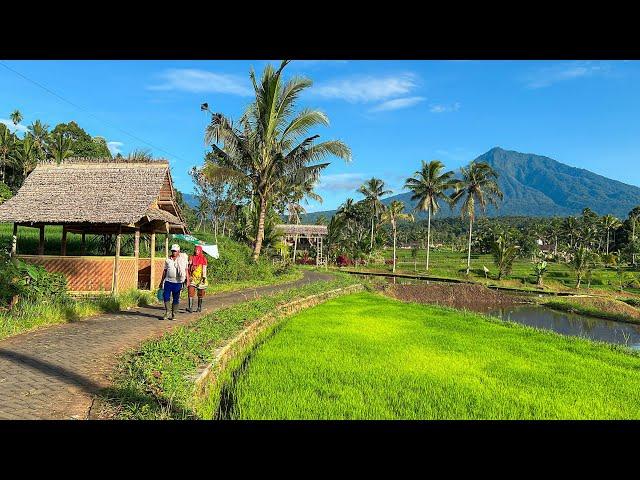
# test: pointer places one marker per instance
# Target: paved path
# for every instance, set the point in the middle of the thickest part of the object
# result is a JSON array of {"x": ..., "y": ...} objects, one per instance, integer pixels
[{"x": 54, "y": 372}]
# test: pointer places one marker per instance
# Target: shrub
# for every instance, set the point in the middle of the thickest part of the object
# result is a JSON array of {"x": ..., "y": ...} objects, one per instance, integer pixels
[
  {"x": 5, "y": 193},
  {"x": 30, "y": 282},
  {"x": 344, "y": 261}
]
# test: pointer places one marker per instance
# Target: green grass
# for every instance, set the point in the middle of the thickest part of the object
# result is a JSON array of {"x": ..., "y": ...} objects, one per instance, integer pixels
[
  {"x": 609, "y": 309},
  {"x": 29, "y": 316},
  {"x": 156, "y": 380},
  {"x": 364, "y": 356},
  {"x": 449, "y": 264},
  {"x": 291, "y": 276}
]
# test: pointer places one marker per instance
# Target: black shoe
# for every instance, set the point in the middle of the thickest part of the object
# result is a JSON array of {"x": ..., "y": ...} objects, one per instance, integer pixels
[
  {"x": 166, "y": 311},
  {"x": 199, "y": 304},
  {"x": 174, "y": 307},
  {"x": 190, "y": 307}
]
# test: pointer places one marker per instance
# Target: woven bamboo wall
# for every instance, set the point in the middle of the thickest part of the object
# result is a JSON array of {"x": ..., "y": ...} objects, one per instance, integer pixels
[
  {"x": 95, "y": 274},
  {"x": 84, "y": 274}
]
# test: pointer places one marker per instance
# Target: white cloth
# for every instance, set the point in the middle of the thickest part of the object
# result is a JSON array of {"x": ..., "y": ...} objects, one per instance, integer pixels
[
  {"x": 211, "y": 250},
  {"x": 176, "y": 271}
]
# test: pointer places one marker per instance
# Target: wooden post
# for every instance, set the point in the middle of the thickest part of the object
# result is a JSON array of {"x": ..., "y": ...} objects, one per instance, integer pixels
[
  {"x": 136, "y": 255},
  {"x": 41, "y": 242},
  {"x": 14, "y": 240},
  {"x": 116, "y": 262},
  {"x": 83, "y": 245},
  {"x": 63, "y": 244},
  {"x": 153, "y": 256},
  {"x": 166, "y": 242}
]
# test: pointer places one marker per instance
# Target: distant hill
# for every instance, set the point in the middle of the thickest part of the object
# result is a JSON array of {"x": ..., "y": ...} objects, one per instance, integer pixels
[
  {"x": 539, "y": 186},
  {"x": 190, "y": 200}
]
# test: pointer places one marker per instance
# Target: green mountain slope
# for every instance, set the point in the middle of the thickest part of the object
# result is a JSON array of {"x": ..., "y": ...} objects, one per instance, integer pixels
[{"x": 534, "y": 185}]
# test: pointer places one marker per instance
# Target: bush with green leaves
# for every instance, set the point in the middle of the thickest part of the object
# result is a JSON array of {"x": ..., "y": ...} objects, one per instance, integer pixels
[
  {"x": 5, "y": 193},
  {"x": 30, "y": 282}
]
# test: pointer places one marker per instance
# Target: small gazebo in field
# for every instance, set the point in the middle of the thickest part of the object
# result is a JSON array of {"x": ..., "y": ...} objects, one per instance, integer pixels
[
  {"x": 98, "y": 196},
  {"x": 312, "y": 235}
]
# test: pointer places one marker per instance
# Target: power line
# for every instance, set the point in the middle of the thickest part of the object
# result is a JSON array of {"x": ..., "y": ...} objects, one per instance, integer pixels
[{"x": 48, "y": 90}]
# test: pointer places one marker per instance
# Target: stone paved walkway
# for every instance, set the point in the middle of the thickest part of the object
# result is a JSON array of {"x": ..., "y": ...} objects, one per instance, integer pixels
[{"x": 53, "y": 373}]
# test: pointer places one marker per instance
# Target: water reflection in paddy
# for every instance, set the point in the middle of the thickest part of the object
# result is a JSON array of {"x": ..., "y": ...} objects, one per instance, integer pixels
[{"x": 572, "y": 324}]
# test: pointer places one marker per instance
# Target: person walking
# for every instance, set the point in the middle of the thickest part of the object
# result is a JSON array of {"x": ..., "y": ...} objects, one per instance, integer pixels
[
  {"x": 198, "y": 280},
  {"x": 173, "y": 276}
]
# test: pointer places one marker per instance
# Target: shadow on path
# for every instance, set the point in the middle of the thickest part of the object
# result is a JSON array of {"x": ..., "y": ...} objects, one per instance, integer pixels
[{"x": 51, "y": 370}]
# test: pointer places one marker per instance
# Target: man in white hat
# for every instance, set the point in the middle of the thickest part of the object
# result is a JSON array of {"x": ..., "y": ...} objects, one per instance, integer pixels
[{"x": 174, "y": 275}]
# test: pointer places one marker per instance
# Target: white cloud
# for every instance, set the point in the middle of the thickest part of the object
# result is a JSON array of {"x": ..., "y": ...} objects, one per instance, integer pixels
[
  {"x": 547, "y": 76},
  {"x": 12, "y": 127},
  {"x": 342, "y": 181},
  {"x": 201, "y": 81},
  {"x": 367, "y": 88},
  {"x": 115, "y": 147},
  {"x": 439, "y": 108},
  {"x": 397, "y": 103}
]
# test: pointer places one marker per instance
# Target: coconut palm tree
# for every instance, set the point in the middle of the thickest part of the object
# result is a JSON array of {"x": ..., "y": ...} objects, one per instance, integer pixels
[
  {"x": 373, "y": 190},
  {"x": 16, "y": 118},
  {"x": 393, "y": 214},
  {"x": 428, "y": 186},
  {"x": 478, "y": 186},
  {"x": 7, "y": 142},
  {"x": 610, "y": 222},
  {"x": 60, "y": 147},
  {"x": 40, "y": 133},
  {"x": 272, "y": 146},
  {"x": 26, "y": 155}
]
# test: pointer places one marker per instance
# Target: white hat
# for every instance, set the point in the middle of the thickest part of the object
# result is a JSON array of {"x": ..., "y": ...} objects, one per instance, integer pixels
[{"x": 175, "y": 247}]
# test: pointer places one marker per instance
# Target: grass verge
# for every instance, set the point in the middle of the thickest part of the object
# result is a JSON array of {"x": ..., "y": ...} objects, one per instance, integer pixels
[
  {"x": 365, "y": 356},
  {"x": 29, "y": 316},
  {"x": 157, "y": 380},
  {"x": 291, "y": 276},
  {"x": 607, "y": 308}
]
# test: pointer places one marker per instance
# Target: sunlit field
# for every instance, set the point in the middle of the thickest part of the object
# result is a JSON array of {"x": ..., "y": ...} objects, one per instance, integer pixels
[
  {"x": 365, "y": 356},
  {"x": 450, "y": 264}
]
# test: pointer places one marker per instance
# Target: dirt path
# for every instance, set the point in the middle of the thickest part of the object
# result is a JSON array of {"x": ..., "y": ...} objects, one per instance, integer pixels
[{"x": 54, "y": 373}]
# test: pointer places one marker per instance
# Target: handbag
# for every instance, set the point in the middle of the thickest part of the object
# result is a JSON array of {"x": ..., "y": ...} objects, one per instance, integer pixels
[{"x": 160, "y": 294}]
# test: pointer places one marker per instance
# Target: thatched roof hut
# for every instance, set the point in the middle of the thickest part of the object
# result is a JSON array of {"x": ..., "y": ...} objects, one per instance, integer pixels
[
  {"x": 101, "y": 196},
  {"x": 288, "y": 229},
  {"x": 98, "y": 196}
]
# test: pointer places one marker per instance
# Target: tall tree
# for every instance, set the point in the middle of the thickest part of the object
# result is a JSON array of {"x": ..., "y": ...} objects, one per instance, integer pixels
[
  {"x": 429, "y": 185},
  {"x": 609, "y": 222},
  {"x": 60, "y": 147},
  {"x": 393, "y": 214},
  {"x": 272, "y": 146},
  {"x": 16, "y": 118},
  {"x": 7, "y": 142},
  {"x": 26, "y": 155},
  {"x": 373, "y": 190},
  {"x": 40, "y": 133},
  {"x": 478, "y": 186}
]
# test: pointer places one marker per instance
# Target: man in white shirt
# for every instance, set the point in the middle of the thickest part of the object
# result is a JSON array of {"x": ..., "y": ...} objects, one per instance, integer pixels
[{"x": 174, "y": 275}]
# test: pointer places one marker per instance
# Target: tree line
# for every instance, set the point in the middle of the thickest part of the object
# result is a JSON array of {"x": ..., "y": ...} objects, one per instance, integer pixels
[{"x": 24, "y": 148}]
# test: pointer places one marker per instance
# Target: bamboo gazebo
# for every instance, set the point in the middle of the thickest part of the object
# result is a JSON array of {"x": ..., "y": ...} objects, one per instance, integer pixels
[
  {"x": 313, "y": 235},
  {"x": 93, "y": 197}
]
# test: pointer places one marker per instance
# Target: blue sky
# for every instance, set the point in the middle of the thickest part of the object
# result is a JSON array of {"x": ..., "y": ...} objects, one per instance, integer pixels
[{"x": 391, "y": 113}]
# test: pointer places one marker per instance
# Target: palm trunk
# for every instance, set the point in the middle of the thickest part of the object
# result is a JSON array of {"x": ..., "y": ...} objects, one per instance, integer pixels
[
  {"x": 469, "y": 252},
  {"x": 295, "y": 247},
  {"x": 371, "y": 245},
  {"x": 555, "y": 248},
  {"x": 394, "y": 249},
  {"x": 428, "y": 235},
  {"x": 607, "y": 241},
  {"x": 260, "y": 236}
]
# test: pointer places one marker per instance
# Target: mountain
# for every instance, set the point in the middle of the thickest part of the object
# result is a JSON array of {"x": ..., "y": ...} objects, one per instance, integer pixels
[
  {"x": 534, "y": 185},
  {"x": 190, "y": 200}
]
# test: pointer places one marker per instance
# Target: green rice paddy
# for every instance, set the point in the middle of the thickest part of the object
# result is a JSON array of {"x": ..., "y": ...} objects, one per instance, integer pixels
[{"x": 365, "y": 356}]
